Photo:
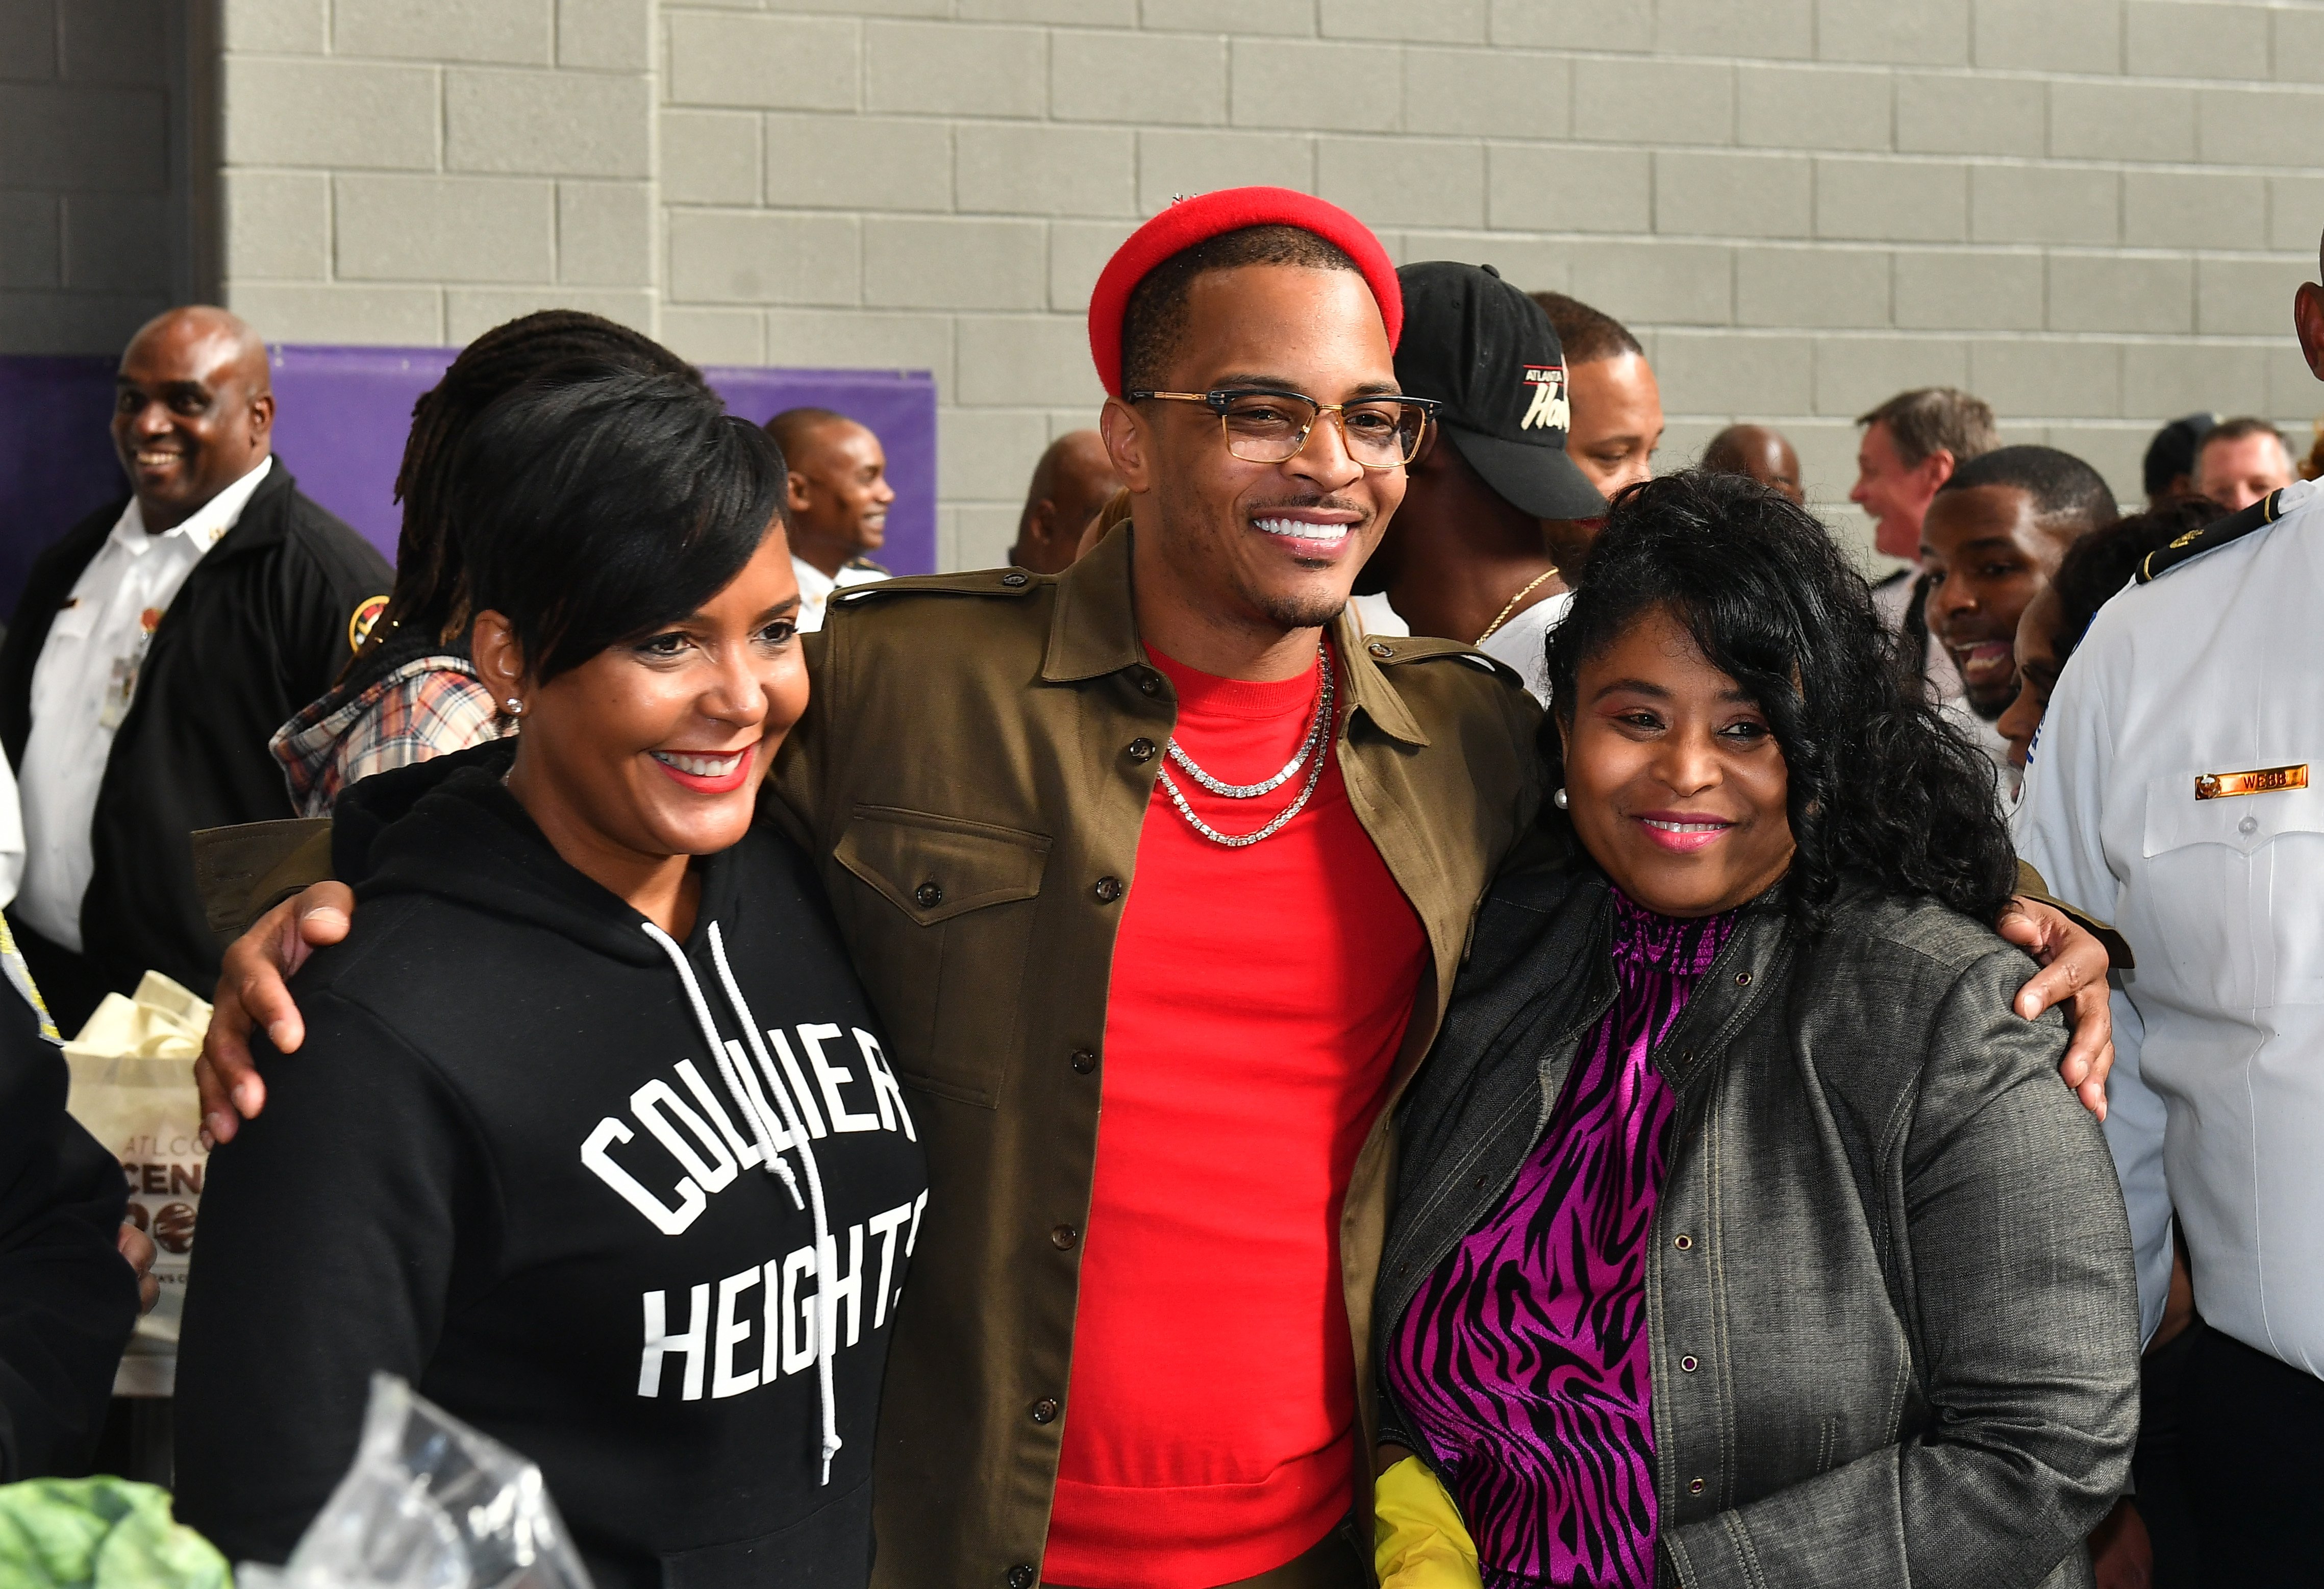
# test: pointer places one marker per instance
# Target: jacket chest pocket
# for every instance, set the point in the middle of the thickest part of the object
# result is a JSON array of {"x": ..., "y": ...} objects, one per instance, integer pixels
[
  {"x": 941, "y": 913},
  {"x": 2232, "y": 881}
]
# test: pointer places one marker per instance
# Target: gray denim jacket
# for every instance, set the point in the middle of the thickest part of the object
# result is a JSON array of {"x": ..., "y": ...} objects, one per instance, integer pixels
[{"x": 1890, "y": 1300}]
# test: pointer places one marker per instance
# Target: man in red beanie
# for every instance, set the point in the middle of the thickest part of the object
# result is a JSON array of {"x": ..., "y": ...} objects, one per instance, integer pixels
[{"x": 1158, "y": 874}]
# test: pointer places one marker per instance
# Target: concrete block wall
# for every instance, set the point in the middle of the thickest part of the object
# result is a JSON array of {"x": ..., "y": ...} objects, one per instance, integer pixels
[
  {"x": 2092, "y": 212},
  {"x": 92, "y": 179},
  {"x": 417, "y": 170}
]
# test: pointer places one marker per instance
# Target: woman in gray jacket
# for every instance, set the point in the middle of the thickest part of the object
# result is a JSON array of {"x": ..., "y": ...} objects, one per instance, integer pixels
[{"x": 1745, "y": 1234}]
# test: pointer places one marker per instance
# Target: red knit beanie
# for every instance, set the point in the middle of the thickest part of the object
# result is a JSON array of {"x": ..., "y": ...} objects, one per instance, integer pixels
[{"x": 1189, "y": 221}]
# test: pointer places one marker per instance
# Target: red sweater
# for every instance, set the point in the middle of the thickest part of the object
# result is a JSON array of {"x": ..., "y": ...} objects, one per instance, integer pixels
[{"x": 1257, "y": 1000}]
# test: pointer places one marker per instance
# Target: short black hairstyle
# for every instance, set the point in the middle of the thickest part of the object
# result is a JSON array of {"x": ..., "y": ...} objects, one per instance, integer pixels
[
  {"x": 2097, "y": 566},
  {"x": 791, "y": 427},
  {"x": 2065, "y": 490},
  {"x": 1586, "y": 335},
  {"x": 1154, "y": 321},
  {"x": 2171, "y": 453},
  {"x": 1882, "y": 788},
  {"x": 595, "y": 505}
]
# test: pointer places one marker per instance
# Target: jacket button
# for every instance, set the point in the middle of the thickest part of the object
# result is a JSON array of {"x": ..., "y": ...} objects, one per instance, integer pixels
[
  {"x": 1064, "y": 1237},
  {"x": 1149, "y": 683},
  {"x": 1694, "y": 1486},
  {"x": 929, "y": 894},
  {"x": 1683, "y": 1242},
  {"x": 1012, "y": 579},
  {"x": 1020, "y": 1576},
  {"x": 1688, "y": 1366},
  {"x": 1379, "y": 649},
  {"x": 1084, "y": 1061},
  {"x": 1108, "y": 890},
  {"x": 1141, "y": 749},
  {"x": 1045, "y": 1410},
  {"x": 1742, "y": 979}
]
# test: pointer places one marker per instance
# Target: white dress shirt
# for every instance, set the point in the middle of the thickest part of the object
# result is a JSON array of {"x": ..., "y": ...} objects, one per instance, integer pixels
[
  {"x": 83, "y": 687},
  {"x": 815, "y": 587},
  {"x": 2217, "y": 1094}
]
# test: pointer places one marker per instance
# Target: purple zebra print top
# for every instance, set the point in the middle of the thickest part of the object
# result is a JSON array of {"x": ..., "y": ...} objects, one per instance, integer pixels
[{"x": 1524, "y": 1358}]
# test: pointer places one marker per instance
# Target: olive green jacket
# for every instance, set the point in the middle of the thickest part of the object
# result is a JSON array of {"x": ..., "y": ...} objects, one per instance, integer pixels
[{"x": 975, "y": 767}]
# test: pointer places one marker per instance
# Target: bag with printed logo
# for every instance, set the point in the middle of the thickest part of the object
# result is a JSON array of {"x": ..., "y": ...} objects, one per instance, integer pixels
[{"x": 133, "y": 1086}]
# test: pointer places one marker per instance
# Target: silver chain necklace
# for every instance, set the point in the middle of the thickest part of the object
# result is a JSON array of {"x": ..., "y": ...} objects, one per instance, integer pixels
[{"x": 1318, "y": 735}]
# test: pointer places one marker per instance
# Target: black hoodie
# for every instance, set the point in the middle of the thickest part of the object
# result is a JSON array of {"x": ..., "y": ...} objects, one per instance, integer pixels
[{"x": 508, "y": 1165}]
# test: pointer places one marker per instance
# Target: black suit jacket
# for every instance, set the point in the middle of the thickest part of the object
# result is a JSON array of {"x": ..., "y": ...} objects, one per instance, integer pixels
[{"x": 260, "y": 628}]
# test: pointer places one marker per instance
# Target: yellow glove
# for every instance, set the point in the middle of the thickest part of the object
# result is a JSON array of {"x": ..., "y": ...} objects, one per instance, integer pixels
[{"x": 1419, "y": 1541}]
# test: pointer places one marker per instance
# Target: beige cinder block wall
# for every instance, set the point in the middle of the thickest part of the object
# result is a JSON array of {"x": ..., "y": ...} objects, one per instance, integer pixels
[{"x": 2093, "y": 212}]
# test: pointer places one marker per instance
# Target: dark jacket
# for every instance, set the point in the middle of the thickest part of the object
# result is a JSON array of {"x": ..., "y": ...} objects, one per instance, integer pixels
[
  {"x": 508, "y": 1165},
  {"x": 68, "y": 1301},
  {"x": 260, "y": 628},
  {"x": 1906, "y": 1279}
]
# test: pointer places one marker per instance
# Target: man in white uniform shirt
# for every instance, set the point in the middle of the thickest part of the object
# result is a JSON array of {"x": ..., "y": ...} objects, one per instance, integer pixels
[
  {"x": 136, "y": 699},
  {"x": 2176, "y": 787},
  {"x": 835, "y": 507}
]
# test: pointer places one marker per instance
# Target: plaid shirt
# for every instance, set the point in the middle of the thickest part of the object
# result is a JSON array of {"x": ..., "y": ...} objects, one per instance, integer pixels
[{"x": 430, "y": 707}]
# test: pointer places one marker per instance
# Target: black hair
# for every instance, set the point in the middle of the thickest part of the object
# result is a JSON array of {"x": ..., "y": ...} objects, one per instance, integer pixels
[
  {"x": 594, "y": 504},
  {"x": 2170, "y": 455},
  {"x": 2064, "y": 489},
  {"x": 791, "y": 427},
  {"x": 427, "y": 608},
  {"x": 1154, "y": 321},
  {"x": 1881, "y": 787},
  {"x": 2098, "y": 566},
  {"x": 1585, "y": 335}
]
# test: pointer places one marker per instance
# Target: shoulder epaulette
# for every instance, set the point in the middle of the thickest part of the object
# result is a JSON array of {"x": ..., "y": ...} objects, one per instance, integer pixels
[
  {"x": 2217, "y": 533},
  {"x": 1392, "y": 649},
  {"x": 974, "y": 582}
]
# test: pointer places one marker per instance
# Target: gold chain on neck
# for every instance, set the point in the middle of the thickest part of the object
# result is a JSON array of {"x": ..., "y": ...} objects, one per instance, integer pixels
[{"x": 1503, "y": 617}]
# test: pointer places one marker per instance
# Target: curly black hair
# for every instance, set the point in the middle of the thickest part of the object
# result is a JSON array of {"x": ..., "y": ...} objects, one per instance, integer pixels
[
  {"x": 2099, "y": 565},
  {"x": 1881, "y": 787}
]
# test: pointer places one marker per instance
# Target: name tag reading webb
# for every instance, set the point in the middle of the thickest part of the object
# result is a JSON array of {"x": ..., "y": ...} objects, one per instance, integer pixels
[{"x": 2218, "y": 785}]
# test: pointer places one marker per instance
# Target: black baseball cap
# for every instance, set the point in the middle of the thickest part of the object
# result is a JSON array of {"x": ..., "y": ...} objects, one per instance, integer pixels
[{"x": 1488, "y": 352}]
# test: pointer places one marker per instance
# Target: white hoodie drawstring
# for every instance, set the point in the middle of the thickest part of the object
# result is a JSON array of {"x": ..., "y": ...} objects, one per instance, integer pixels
[
  {"x": 752, "y": 1106},
  {"x": 827, "y": 1254}
]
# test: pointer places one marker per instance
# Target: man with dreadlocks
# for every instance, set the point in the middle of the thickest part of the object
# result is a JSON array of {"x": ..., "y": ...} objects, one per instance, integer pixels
[{"x": 410, "y": 692}]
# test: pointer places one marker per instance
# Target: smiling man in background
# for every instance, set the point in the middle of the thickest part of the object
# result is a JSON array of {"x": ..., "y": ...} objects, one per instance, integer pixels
[
  {"x": 1992, "y": 535},
  {"x": 836, "y": 507},
  {"x": 155, "y": 650}
]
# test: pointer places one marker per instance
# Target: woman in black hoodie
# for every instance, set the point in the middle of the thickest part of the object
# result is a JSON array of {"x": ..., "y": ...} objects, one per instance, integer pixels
[{"x": 593, "y": 1137}]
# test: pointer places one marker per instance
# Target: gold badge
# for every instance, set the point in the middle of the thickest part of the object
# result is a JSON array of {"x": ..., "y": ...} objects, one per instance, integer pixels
[
  {"x": 366, "y": 614},
  {"x": 2220, "y": 786}
]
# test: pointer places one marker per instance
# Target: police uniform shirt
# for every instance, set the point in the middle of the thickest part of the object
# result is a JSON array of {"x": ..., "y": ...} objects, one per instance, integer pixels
[
  {"x": 2170, "y": 792},
  {"x": 82, "y": 688}
]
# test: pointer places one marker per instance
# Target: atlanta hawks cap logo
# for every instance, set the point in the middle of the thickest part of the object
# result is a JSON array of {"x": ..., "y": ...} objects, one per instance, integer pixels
[{"x": 1549, "y": 407}]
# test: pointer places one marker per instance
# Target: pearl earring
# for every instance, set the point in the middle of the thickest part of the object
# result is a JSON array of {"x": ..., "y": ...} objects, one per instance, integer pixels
[{"x": 1558, "y": 799}]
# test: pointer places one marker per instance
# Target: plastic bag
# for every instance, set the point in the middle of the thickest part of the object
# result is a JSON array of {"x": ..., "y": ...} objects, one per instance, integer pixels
[
  {"x": 431, "y": 1503},
  {"x": 100, "y": 1533},
  {"x": 133, "y": 1086}
]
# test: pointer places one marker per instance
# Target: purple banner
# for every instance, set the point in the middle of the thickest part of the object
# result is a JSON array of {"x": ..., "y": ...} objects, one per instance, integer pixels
[{"x": 341, "y": 415}]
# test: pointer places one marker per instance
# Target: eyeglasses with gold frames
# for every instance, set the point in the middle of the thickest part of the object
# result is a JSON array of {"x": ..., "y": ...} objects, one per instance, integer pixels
[{"x": 1269, "y": 425}]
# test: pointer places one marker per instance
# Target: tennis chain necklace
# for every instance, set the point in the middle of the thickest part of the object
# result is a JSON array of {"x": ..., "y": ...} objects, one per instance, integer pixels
[{"x": 1319, "y": 733}]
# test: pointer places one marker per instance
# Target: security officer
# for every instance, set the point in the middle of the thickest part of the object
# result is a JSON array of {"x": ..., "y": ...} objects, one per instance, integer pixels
[{"x": 2176, "y": 787}]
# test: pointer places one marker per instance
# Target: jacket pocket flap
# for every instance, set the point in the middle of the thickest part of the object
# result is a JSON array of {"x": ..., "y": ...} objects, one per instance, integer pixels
[{"x": 934, "y": 868}]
